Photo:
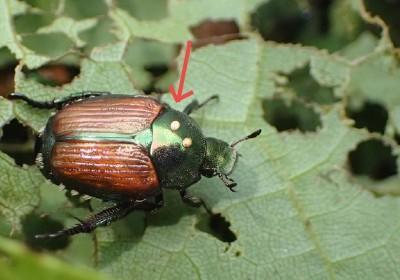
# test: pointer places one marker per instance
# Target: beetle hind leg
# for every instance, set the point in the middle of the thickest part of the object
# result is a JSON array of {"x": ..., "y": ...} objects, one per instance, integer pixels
[
  {"x": 58, "y": 102},
  {"x": 33, "y": 103},
  {"x": 102, "y": 218}
]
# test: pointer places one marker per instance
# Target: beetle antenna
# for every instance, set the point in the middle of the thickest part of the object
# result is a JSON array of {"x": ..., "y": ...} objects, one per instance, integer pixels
[{"x": 252, "y": 135}]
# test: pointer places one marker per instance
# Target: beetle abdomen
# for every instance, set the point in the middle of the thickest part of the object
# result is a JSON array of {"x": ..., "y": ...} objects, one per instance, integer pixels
[
  {"x": 111, "y": 114},
  {"x": 108, "y": 170}
]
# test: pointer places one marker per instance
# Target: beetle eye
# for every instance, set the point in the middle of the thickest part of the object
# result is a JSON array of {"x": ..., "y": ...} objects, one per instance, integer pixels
[
  {"x": 175, "y": 125},
  {"x": 187, "y": 142}
]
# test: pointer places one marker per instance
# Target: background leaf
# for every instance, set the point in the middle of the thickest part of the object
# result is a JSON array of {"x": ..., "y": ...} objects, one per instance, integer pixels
[
  {"x": 19, "y": 263},
  {"x": 317, "y": 191}
]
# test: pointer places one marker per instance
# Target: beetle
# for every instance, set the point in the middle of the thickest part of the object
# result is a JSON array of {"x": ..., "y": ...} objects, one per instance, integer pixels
[{"x": 126, "y": 149}]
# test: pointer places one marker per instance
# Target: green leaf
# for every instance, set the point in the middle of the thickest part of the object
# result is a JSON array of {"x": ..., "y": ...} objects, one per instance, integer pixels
[
  {"x": 70, "y": 27},
  {"x": 88, "y": 9},
  {"x": 166, "y": 30},
  {"x": 6, "y": 113},
  {"x": 296, "y": 211},
  {"x": 9, "y": 38},
  {"x": 96, "y": 76},
  {"x": 18, "y": 262},
  {"x": 182, "y": 15},
  {"x": 300, "y": 211},
  {"x": 19, "y": 190},
  {"x": 363, "y": 45},
  {"x": 148, "y": 10},
  {"x": 381, "y": 65}
]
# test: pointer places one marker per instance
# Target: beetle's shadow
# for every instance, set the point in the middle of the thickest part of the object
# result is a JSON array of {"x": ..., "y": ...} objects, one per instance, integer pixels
[
  {"x": 139, "y": 226},
  {"x": 170, "y": 214}
]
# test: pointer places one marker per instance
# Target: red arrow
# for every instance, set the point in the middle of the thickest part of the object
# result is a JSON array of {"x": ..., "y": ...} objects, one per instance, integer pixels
[{"x": 179, "y": 96}]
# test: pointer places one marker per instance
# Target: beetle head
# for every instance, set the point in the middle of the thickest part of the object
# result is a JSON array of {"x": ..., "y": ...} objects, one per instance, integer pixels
[{"x": 221, "y": 159}]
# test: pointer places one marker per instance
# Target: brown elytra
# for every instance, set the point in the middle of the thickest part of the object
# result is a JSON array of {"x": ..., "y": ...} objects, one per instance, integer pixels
[
  {"x": 125, "y": 115},
  {"x": 120, "y": 169},
  {"x": 105, "y": 168}
]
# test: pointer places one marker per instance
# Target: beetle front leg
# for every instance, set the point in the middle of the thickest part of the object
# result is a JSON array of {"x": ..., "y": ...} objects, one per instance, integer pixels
[
  {"x": 195, "y": 105},
  {"x": 102, "y": 218},
  {"x": 58, "y": 102},
  {"x": 193, "y": 201}
]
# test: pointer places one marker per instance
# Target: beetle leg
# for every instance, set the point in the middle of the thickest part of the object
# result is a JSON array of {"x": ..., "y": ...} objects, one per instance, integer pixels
[
  {"x": 193, "y": 201},
  {"x": 229, "y": 183},
  {"x": 102, "y": 218},
  {"x": 195, "y": 105},
  {"x": 58, "y": 102},
  {"x": 158, "y": 202},
  {"x": 190, "y": 200}
]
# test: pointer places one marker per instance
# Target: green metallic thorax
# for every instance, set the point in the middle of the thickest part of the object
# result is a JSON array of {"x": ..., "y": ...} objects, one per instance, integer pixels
[{"x": 177, "y": 166}]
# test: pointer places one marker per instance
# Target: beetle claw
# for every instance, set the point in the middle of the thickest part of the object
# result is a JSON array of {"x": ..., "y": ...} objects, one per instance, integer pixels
[
  {"x": 229, "y": 183},
  {"x": 232, "y": 187}
]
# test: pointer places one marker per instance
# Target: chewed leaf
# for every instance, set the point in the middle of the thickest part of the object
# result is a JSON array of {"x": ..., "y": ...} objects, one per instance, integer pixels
[
  {"x": 19, "y": 190},
  {"x": 317, "y": 193},
  {"x": 26, "y": 264},
  {"x": 6, "y": 113},
  {"x": 294, "y": 198},
  {"x": 182, "y": 16},
  {"x": 96, "y": 76},
  {"x": 70, "y": 27}
]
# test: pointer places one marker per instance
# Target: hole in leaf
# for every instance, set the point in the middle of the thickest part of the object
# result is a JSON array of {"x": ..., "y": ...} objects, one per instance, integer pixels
[
  {"x": 238, "y": 254},
  {"x": 53, "y": 74},
  {"x": 397, "y": 138},
  {"x": 14, "y": 132},
  {"x": 374, "y": 159},
  {"x": 388, "y": 10},
  {"x": 7, "y": 79},
  {"x": 290, "y": 115},
  {"x": 320, "y": 11},
  {"x": 281, "y": 21},
  {"x": 156, "y": 70},
  {"x": 371, "y": 116},
  {"x": 215, "y": 32},
  {"x": 211, "y": 28},
  {"x": 302, "y": 83},
  {"x": 18, "y": 142},
  {"x": 325, "y": 24},
  {"x": 34, "y": 224},
  {"x": 217, "y": 226}
]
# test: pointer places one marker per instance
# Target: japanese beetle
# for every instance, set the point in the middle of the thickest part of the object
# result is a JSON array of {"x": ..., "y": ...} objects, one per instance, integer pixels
[{"x": 125, "y": 149}]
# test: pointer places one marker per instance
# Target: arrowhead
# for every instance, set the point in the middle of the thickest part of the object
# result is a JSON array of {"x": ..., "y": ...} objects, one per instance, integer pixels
[{"x": 178, "y": 96}]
